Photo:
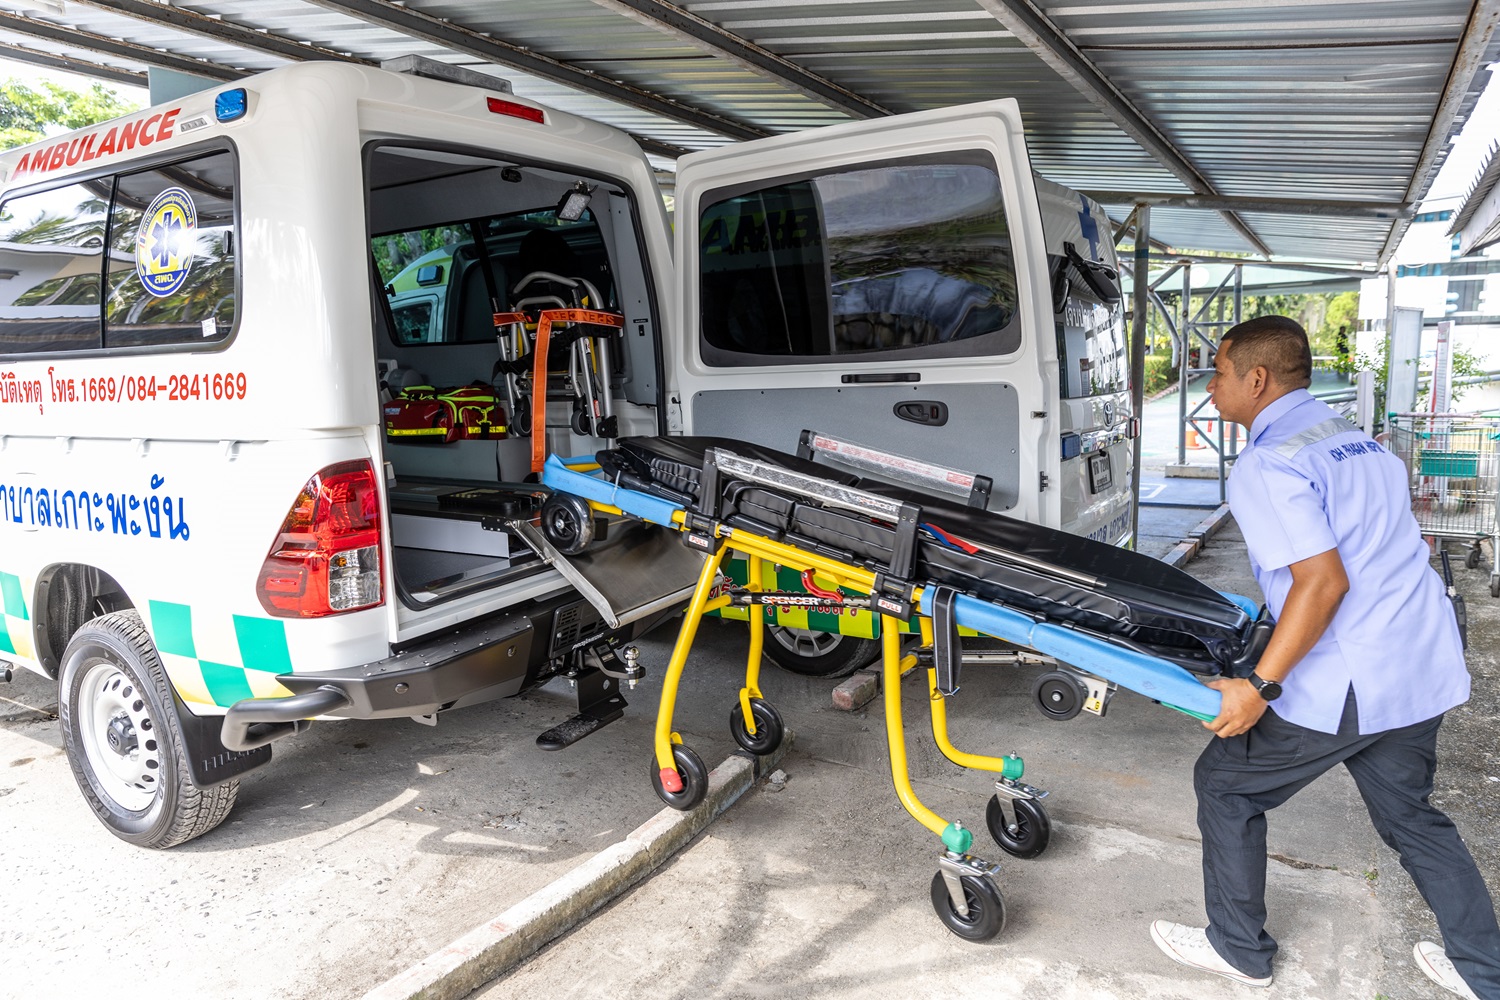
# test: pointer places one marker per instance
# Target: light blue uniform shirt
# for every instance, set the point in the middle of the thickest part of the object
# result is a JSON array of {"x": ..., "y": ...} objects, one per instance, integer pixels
[{"x": 1309, "y": 481}]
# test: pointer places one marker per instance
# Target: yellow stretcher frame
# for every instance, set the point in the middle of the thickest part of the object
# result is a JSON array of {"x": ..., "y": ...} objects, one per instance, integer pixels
[{"x": 758, "y": 548}]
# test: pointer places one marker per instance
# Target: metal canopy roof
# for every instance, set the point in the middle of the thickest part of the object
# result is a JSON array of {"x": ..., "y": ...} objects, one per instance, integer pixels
[
  {"x": 1477, "y": 222},
  {"x": 1294, "y": 128}
]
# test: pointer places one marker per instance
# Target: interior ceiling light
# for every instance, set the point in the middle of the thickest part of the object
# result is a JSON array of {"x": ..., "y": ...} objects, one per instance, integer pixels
[{"x": 50, "y": 6}]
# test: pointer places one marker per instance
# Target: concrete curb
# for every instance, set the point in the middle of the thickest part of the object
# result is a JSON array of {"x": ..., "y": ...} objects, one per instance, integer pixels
[
  {"x": 498, "y": 946},
  {"x": 1186, "y": 550}
]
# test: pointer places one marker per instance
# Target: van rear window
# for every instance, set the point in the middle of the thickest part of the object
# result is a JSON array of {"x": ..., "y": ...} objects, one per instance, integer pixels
[
  {"x": 434, "y": 277},
  {"x": 145, "y": 258},
  {"x": 903, "y": 260}
]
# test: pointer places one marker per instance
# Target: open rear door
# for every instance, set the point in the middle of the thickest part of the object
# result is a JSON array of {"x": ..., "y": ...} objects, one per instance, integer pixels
[{"x": 882, "y": 283}]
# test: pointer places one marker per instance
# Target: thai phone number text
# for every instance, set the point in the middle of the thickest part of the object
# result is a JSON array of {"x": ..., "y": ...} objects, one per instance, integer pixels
[{"x": 146, "y": 388}]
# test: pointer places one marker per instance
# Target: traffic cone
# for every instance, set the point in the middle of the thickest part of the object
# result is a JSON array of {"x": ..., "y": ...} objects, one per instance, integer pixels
[{"x": 1193, "y": 443}]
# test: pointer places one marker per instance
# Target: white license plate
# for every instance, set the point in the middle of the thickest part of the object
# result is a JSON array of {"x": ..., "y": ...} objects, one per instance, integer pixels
[{"x": 1100, "y": 477}]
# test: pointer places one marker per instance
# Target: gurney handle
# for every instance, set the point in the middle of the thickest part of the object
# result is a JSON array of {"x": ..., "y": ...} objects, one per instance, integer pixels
[{"x": 1039, "y": 565}]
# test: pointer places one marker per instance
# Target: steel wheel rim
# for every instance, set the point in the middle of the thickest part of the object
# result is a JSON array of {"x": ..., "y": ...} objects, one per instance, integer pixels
[
  {"x": 805, "y": 642},
  {"x": 129, "y": 775}
]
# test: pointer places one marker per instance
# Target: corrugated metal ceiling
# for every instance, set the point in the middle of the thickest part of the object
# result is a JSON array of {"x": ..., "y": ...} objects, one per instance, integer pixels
[{"x": 1346, "y": 103}]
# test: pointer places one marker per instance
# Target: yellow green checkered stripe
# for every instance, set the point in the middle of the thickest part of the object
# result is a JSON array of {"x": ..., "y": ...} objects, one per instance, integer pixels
[
  {"x": 211, "y": 666},
  {"x": 15, "y": 623}
]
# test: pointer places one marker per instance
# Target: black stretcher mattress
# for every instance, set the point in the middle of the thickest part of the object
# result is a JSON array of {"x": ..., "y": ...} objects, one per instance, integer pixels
[{"x": 1133, "y": 599}]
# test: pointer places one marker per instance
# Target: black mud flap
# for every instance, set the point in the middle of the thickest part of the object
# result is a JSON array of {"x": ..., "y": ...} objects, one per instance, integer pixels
[{"x": 209, "y": 761}]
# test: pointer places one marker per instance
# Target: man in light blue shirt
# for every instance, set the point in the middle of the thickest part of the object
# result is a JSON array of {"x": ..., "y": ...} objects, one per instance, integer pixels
[{"x": 1365, "y": 659}]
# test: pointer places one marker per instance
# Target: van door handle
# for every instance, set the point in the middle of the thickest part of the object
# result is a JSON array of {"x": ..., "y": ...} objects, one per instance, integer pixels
[{"x": 929, "y": 412}]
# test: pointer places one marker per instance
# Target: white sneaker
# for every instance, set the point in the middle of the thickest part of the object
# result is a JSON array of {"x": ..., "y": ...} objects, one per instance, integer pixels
[
  {"x": 1190, "y": 946},
  {"x": 1439, "y": 968}
]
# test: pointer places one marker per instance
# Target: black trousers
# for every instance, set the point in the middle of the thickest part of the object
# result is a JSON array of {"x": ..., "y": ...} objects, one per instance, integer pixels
[{"x": 1239, "y": 780}]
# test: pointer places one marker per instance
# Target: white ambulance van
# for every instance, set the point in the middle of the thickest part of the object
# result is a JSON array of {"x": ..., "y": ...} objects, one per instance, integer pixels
[{"x": 272, "y": 391}]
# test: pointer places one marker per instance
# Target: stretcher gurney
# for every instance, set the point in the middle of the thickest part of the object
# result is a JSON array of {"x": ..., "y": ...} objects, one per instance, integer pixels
[{"x": 1117, "y": 617}]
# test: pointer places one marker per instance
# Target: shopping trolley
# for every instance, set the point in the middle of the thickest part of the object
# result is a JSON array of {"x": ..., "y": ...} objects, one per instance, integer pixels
[{"x": 1453, "y": 461}]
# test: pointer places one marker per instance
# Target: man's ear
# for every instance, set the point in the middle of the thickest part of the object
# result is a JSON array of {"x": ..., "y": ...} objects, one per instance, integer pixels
[{"x": 1260, "y": 380}]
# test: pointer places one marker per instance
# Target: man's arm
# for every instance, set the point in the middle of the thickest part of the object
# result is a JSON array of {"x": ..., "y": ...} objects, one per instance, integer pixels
[{"x": 1319, "y": 584}]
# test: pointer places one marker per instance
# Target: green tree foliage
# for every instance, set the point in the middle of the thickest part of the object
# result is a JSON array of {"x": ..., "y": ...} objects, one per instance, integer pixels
[
  {"x": 28, "y": 113},
  {"x": 1465, "y": 363},
  {"x": 396, "y": 251},
  {"x": 1340, "y": 322},
  {"x": 1160, "y": 373},
  {"x": 1322, "y": 315}
]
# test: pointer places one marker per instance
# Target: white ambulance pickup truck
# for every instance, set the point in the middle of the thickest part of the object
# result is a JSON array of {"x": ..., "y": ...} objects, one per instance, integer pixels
[{"x": 273, "y": 387}]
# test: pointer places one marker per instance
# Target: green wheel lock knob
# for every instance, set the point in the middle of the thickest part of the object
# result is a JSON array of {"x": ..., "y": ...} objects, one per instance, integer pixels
[
  {"x": 1014, "y": 767},
  {"x": 957, "y": 839}
]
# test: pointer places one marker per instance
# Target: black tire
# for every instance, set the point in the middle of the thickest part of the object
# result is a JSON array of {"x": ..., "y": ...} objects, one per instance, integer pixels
[
  {"x": 1495, "y": 586},
  {"x": 694, "y": 779},
  {"x": 123, "y": 739},
  {"x": 769, "y": 729},
  {"x": 1033, "y": 828},
  {"x": 568, "y": 523},
  {"x": 1471, "y": 558},
  {"x": 581, "y": 424},
  {"x": 1058, "y": 695},
  {"x": 986, "y": 917},
  {"x": 818, "y": 654}
]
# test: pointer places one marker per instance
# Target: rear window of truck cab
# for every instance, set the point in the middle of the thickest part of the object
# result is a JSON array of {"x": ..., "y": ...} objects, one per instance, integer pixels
[
  {"x": 908, "y": 259},
  {"x": 140, "y": 258}
]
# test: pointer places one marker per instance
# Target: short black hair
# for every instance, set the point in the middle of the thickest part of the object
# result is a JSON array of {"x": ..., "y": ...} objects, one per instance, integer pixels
[{"x": 1276, "y": 342}]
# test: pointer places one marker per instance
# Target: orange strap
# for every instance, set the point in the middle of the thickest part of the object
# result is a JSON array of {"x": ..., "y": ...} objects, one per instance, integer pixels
[{"x": 539, "y": 369}]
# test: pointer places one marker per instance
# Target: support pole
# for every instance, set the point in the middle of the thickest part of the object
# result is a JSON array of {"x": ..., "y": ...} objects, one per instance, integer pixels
[
  {"x": 1227, "y": 453},
  {"x": 1390, "y": 320},
  {"x": 1141, "y": 310},
  {"x": 1184, "y": 362}
]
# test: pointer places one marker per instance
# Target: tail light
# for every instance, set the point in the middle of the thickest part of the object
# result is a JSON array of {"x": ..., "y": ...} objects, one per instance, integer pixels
[{"x": 326, "y": 557}]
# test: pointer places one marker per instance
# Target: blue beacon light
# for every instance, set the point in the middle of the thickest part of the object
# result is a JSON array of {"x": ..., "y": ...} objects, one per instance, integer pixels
[{"x": 231, "y": 105}]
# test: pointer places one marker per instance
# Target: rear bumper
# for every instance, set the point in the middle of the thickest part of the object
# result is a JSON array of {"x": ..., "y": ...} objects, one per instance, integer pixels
[{"x": 489, "y": 658}]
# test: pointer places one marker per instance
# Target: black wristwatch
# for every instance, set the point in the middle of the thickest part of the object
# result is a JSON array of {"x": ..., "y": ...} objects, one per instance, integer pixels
[{"x": 1269, "y": 690}]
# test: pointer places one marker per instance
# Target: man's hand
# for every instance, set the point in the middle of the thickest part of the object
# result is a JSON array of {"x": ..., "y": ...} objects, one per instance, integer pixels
[
  {"x": 1241, "y": 707},
  {"x": 1319, "y": 583}
]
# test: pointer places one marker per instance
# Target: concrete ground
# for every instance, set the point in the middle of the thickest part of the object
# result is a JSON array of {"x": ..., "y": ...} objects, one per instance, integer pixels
[{"x": 821, "y": 889}]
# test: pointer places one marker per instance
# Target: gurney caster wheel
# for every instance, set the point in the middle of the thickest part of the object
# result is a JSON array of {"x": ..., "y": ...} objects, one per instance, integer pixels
[
  {"x": 769, "y": 728},
  {"x": 1059, "y": 695},
  {"x": 1471, "y": 558},
  {"x": 568, "y": 523},
  {"x": 986, "y": 916},
  {"x": 1033, "y": 829},
  {"x": 694, "y": 779},
  {"x": 1495, "y": 586}
]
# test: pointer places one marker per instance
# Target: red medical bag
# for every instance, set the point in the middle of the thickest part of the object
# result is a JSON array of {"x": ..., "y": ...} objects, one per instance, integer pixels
[{"x": 440, "y": 416}]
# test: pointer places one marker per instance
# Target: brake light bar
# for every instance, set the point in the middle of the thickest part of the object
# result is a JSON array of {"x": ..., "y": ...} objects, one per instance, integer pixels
[{"x": 515, "y": 110}]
